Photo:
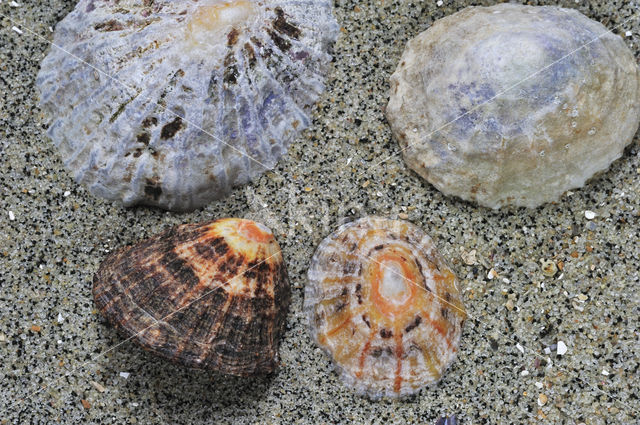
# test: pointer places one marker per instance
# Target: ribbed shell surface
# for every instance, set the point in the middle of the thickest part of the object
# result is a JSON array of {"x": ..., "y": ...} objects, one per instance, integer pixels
[
  {"x": 212, "y": 295},
  {"x": 512, "y": 104},
  {"x": 173, "y": 103},
  {"x": 383, "y": 304}
]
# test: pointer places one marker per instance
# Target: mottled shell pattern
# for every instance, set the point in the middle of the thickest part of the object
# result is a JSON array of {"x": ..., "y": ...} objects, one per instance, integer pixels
[
  {"x": 173, "y": 103},
  {"x": 512, "y": 104},
  {"x": 383, "y": 304},
  {"x": 212, "y": 295}
]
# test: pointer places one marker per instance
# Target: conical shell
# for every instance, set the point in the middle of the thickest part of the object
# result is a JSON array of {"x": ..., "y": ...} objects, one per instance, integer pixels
[
  {"x": 383, "y": 304},
  {"x": 512, "y": 104},
  {"x": 173, "y": 103},
  {"x": 212, "y": 295}
]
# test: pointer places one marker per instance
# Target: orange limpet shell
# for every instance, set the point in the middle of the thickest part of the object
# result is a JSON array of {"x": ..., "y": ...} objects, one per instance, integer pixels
[{"x": 385, "y": 306}]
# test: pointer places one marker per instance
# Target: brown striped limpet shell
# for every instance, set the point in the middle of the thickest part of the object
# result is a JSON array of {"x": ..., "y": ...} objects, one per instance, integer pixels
[
  {"x": 213, "y": 295},
  {"x": 384, "y": 305}
]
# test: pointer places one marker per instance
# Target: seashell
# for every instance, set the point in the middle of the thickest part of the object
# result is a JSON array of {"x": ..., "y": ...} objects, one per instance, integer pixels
[
  {"x": 384, "y": 306},
  {"x": 173, "y": 103},
  {"x": 447, "y": 420},
  {"x": 213, "y": 295},
  {"x": 512, "y": 104}
]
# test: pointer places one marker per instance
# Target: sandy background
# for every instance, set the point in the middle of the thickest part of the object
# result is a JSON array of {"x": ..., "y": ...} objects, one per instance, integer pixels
[{"x": 53, "y": 235}]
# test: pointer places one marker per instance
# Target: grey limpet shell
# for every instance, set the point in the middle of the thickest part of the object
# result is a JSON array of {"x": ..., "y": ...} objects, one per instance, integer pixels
[
  {"x": 173, "y": 103},
  {"x": 514, "y": 105}
]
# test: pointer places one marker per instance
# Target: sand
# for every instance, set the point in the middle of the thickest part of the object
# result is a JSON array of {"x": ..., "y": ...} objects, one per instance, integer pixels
[{"x": 62, "y": 363}]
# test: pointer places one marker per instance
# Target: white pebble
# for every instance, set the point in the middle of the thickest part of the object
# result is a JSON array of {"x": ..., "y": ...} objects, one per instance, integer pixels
[
  {"x": 67, "y": 193},
  {"x": 524, "y": 373},
  {"x": 11, "y": 216},
  {"x": 60, "y": 318},
  {"x": 125, "y": 375},
  {"x": 492, "y": 273},
  {"x": 590, "y": 215},
  {"x": 562, "y": 348},
  {"x": 605, "y": 372},
  {"x": 14, "y": 4},
  {"x": 539, "y": 385},
  {"x": 16, "y": 29},
  {"x": 628, "y": 33},
  {"x": 520, "y": 347},
  {"x": 439, "y": 3}
]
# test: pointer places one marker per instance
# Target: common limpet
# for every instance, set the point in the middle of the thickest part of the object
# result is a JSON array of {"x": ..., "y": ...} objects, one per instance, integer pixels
[
  {"x": 173, "y": 103},
  {"x": 512, "y": 104},
  {"x": 213, "y": 295},
  {"x": 384, "y": 305}
]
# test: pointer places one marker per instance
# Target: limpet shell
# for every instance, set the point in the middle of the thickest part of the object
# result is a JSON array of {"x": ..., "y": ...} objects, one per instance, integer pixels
[
  {"x": 383, "y": 304},
  {"x": 512, "y": 104},
  {"x": 213, "y": 295},
  {"x": 173, "y": 103}
]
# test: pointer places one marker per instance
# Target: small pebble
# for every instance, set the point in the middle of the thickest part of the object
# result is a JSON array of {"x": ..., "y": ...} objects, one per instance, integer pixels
[
  {"x": 98, "y": 387},
  {"x": 605, "y": 372},
  {"x": 562, "y": 348},
  {"x": 509, "y": 304},
  {"x": 539, "y": 385},
  {"x": 492, "y": 274},
  {"x": 403, "y": 216},
  {"x": 520, "y": 347},
  {"x": 542, "y": 400},
  {"x": 11, "y": 216},
  {"x": 60, "y": 318},
  {"x": 549, "y": 268},
  {"x": 439, "y": 3},
  {"x": 85, "y": 404},
  {"x": 590, "y": 215},
  {"x": 524, "y": 373},
  {"x": 125, "y": 375},
  {"x": 628, "y": 34},
  {"x": 67, "y": 193},
  {"x": 469, "y": 258}
]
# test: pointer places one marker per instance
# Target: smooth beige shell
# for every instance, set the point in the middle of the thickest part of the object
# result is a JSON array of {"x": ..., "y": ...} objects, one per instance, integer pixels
[
  {"x": 514, "y": 105},
  {"x": 383, "y": 304}
]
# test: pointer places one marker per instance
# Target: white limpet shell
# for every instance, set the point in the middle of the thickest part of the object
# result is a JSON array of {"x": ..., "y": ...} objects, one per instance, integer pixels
[
  {"x": 384, "y": 305},
  {"x": 512, "y": 104},
  {"x": 173, "y": 103}
]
